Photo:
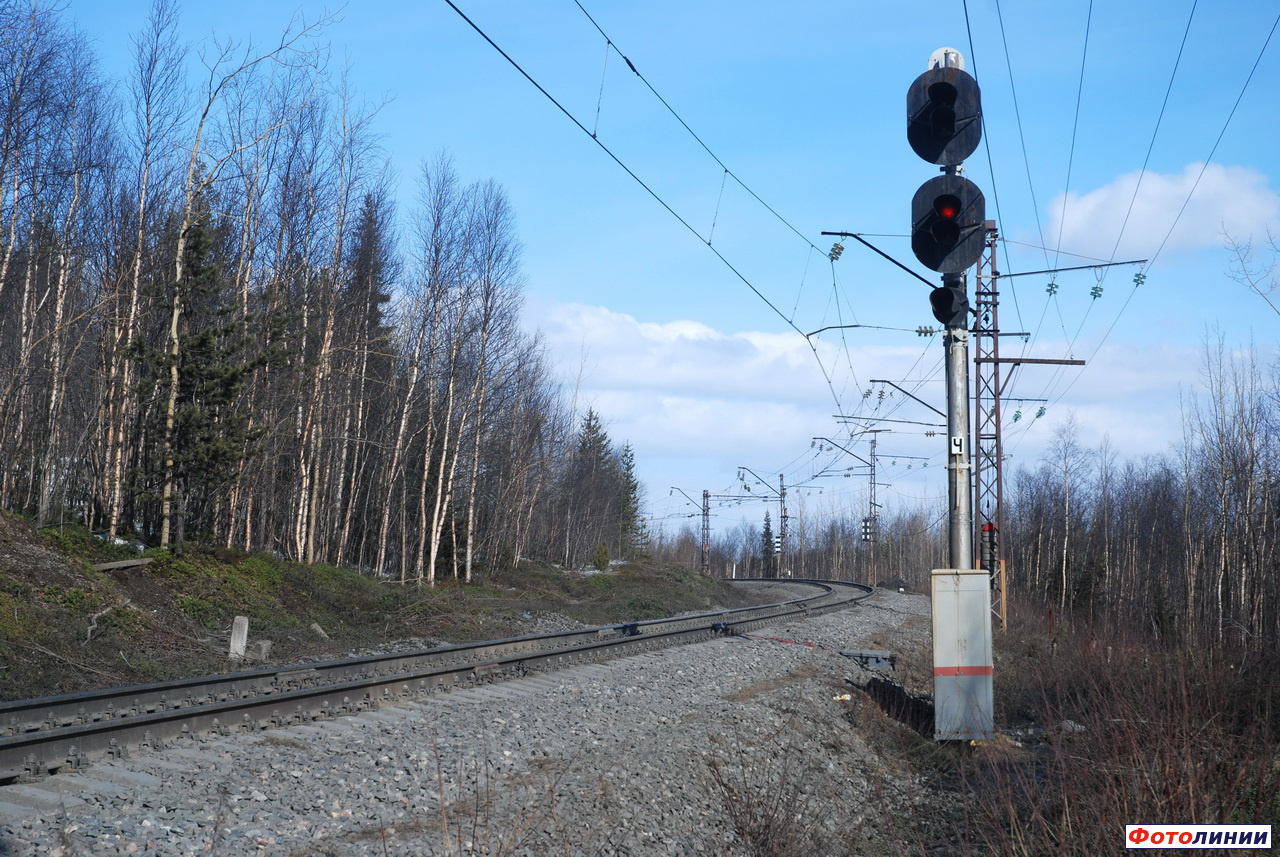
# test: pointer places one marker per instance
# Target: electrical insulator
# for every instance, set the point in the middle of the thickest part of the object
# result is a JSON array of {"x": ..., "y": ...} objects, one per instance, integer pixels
[{"x": 836, "y": 249}]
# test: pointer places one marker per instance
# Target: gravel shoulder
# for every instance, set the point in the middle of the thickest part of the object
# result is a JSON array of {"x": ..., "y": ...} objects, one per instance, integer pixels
[{"x": 701, "y": 749}]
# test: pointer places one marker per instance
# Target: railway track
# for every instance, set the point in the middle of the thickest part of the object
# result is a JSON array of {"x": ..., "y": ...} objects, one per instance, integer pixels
[{"x": 48, "y": 735}]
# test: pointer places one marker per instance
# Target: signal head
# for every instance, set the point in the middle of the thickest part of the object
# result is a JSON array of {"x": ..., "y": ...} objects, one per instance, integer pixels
[
  {"x": 944, "y": 116},
  {"x": 950, "y": 304},
  {"x": 948, "y": 216}
]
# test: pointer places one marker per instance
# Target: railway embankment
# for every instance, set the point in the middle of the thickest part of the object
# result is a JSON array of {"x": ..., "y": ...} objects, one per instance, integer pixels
[{"x": 729, "y": 746}]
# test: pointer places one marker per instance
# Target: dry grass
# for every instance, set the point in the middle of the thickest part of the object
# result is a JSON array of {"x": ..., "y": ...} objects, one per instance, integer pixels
[
  {"x": 1116, "y": 731},
  {"x": 768, "y": 798},
  {"x": 172, "y": 618}
]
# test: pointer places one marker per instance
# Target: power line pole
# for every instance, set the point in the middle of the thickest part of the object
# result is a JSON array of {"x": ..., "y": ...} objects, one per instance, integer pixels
[
  {"x": 988, "y": 473},
  {"x": 988, "y": 399},
  {"x": 873, "y": 530},
  {"x": 705, "y": 562},
  {"x": 706, "y": 531},
  {"x": 959, "y": 509},
  {"x": 781, "y": 491},
  {"x": 782, "y": 522}
]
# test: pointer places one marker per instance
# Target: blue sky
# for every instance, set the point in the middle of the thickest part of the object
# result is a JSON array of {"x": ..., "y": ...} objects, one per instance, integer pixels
[{"x": 805, "y": 104}]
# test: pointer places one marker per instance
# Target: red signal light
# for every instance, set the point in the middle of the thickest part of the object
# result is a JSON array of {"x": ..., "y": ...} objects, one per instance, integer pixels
[
  {"x": 947, "y": 206},
  {"x": 946, "y": 229}
]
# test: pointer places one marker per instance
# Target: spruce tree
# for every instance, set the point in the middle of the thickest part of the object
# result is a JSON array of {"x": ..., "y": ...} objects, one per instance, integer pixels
[
  {"x": 767, "y": 558},
  {"x": 591, "y": 493},
  {"x": 212, "y": 433},
  {"x": 629, "y": 525}
]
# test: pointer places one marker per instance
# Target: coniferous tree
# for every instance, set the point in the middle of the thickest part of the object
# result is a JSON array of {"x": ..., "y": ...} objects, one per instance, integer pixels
[
  {"x": 369, "y": 341},
  {"x": 630, "y": 525},
  {"x": 212, "y": 434},
  {"x": 767, "y": 557},
  {"x": 590, "y": 489}
]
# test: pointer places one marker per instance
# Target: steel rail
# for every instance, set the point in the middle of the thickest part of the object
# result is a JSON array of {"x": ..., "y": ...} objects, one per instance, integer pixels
[{"x": 49, "y": 734}]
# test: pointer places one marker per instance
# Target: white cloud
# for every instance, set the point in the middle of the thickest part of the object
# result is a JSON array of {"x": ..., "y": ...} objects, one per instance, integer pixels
[
  {"x": 1126, "y": 394},
  {"x": 696, "y": 403},
  {"x": 674, "y": 330},
  {"x": 1235, "y": 201},
  {"x": 616, "y": 352}
]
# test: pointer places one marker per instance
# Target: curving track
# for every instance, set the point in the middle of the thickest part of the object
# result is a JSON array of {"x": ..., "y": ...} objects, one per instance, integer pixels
[{"x": 51, "y": 734}]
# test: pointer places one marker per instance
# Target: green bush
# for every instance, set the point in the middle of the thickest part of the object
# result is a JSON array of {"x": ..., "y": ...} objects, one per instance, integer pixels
[
  {"x": 262, "y": 573},
  {"x": 76, "y": 543},
  {"x": 72, "y": 599},
  {"x": 17, "y": 620},
  {"x": 69, "y": 540},
  {"x": 205, "y": 612}
]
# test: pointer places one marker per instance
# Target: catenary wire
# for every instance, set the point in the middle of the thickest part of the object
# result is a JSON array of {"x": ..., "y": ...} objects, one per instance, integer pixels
[
  {"x": 1134, "y": 196},
  {"x": 1133, "y": 291},
  {"x": 685, "y": 125},
  {"x": 826, "y": 375},
  {"x": 1075, "y": 127},
  {"x": 1216, "y": 142},
  {"x": 1155, "y": 131},
  {"x": 727, "y": 172}
]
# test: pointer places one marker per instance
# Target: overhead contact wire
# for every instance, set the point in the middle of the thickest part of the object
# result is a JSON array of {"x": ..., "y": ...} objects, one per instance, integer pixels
[
  {"x": 621, "y": 164},
  {"x": 1066, "y": 190},
  {"x": 826, "y": 376},
  {"x": 1022, "y": 139},
  {"x": 686, "y": 127},
  {"x": 1248, "y": 79},
  {"x": 1154, "y": 132},
  {"x": 1216, "y": 142}
]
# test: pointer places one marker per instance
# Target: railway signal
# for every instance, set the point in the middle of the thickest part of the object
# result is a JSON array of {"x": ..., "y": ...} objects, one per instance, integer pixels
[
  {"x": 950, "y": 304},
  {"x": 948, "y": 235},
  {"x": 987, "y": 548},
  {"x": 948, "y": 214},
  {"x": 944, "y": 114}
]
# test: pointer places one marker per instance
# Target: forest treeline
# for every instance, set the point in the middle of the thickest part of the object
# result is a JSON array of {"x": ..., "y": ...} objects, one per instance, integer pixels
[
  {"x": 215, "y": 326},
  {"x": 1178, "y": 545}
]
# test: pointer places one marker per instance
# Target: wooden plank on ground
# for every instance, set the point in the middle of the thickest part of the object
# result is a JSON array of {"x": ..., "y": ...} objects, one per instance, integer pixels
[{"x": 124, "y": 563}]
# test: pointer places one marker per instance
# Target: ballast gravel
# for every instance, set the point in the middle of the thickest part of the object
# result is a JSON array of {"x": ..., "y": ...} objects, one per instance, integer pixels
[{"x": 691, "y": 750}]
